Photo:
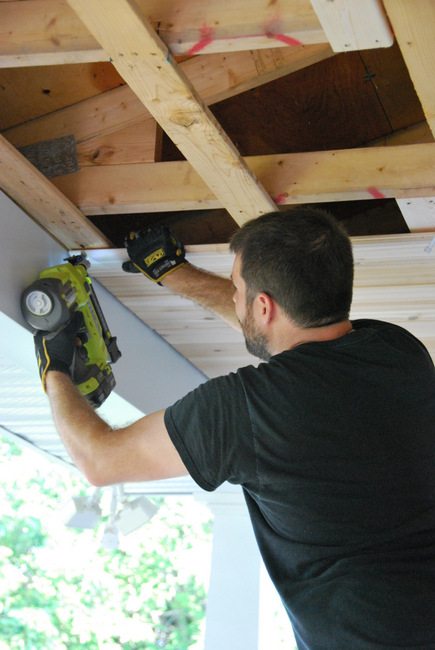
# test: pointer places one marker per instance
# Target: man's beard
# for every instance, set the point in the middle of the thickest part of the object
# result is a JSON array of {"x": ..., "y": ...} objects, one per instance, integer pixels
[{"x": 256, "y": 343}]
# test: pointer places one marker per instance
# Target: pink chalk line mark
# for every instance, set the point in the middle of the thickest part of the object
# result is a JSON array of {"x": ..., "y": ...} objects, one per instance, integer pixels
[
  {"x": 376, "y": 194},
  {"x": 288, "y": 40},
  {"x": 207, "y": 37},
  {"x": 280, "y": 198}
]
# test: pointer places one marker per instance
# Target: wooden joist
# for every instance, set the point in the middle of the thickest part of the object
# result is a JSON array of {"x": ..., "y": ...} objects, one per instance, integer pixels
[
  {"x": 354, "y": 24},
  {"x": 47, "y": 32},
  {"x": 148, "y": 68},
  {"x": 44, "y": 202},
  {"x": 116, "y": 127},
  {"x": 342, "y": 175}
]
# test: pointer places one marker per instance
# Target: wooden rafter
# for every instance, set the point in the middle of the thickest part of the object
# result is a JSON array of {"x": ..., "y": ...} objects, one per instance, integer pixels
[
  {"x": 145, "y": 63},
  {"x": 47, "y": 32},
  {"x": 115, "y": 127},
  {"x": 342, "y": 175},
  {"x": 44, "y": 202}
]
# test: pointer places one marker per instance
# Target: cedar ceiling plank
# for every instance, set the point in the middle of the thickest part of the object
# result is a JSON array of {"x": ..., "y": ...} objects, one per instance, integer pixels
[
  {"x": 414, "y": 26},
  {"x": 20, "y": 180},
  {"x": 28, "y": 93},
  {"x": 354, "y": 24},
  {"x": 342, "y": 175},
  {"x": 146, "y": 65},
  {"x": 215, "y": 77},
  {"x": 393, "y": 279},
  {"x": 44, "y": 32},
  {"x": 390, "y": 77}
]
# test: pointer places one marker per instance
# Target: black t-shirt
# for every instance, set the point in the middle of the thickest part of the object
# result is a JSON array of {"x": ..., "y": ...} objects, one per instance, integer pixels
[{"x": 334, "y": 446}]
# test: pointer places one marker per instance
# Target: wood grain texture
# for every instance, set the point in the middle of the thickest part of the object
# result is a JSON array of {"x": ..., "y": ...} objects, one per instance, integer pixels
[
  {"x": 146, "y": 65},
  {"x": 47, "y": 32},
  {"x": 342, "y": 175},
  {"x": 115, "y": 127},
  {"x": 44, "y": 202},
  {"x": 28, "y": 93}
]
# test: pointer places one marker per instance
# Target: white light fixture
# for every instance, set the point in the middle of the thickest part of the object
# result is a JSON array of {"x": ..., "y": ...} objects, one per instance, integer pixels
[
  {"x": 134, "y": 514},
  {"x": 110, "y": 538},
  {"x": 88, "y": 511},
  {"x": 126, "y": 515}
]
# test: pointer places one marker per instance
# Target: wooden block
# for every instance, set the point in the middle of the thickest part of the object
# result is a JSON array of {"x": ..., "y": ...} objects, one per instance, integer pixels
[{"x": 354, "y": 24}]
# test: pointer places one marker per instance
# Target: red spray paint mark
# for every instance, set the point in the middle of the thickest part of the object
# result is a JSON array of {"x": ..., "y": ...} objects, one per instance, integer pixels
[
  {"x": 207, "y": 37},
  {"x": 280, "y": 198},
  {"x": 376, "y": 194},
  {"x": 288, "y": 40}
]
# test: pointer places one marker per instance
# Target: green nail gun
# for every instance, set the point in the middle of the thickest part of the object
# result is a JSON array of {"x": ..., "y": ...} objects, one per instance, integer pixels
[{"x": 50, "y": 302}]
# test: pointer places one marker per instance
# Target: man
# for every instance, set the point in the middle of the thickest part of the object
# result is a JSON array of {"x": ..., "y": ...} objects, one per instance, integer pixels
[{"x": 332, "y": 439}]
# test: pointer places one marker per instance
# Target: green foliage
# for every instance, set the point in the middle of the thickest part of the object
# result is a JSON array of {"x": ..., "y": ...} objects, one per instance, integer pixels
[{"x": 59, "y": 590}]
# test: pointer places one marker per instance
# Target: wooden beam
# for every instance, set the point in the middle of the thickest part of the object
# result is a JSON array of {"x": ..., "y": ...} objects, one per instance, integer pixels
[
  {"x": 47, "y": 32},
  {"x": 25, "y": 185},
  {"x": 343, "y": 175},
  {"x": 147, "y": 66},
  {"x": 116, "y": 128},
  {"x": 354, "y": 24},
  {"x": 414, "y": 26}
]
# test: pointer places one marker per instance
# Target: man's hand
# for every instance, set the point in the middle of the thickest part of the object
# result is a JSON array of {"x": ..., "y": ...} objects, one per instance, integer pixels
[
  {"x": 155, "y": 252},
  {"x": 56, "y": 350}
]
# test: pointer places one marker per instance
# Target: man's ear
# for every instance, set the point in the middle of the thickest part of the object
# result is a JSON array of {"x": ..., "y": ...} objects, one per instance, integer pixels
[{"x": 265, "y": 307}]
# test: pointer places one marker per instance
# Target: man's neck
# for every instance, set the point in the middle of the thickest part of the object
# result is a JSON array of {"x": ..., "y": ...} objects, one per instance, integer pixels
[{"x": 292, "y": 335}]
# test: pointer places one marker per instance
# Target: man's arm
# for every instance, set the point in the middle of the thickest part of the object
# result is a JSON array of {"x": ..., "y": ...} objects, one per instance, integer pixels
[
  {"x": 210, "y": 291},
  {"x": 156, "y": 253},
  {"x": 142, "y": 451}
]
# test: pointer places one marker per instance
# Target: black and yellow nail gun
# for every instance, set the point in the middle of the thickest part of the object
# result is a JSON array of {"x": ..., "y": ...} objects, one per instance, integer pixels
[{"x": 50, "y": 302}]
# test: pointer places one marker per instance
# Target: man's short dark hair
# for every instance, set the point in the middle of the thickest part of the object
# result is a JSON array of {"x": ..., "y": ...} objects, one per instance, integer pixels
[{"x": 302, "y": 258}]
